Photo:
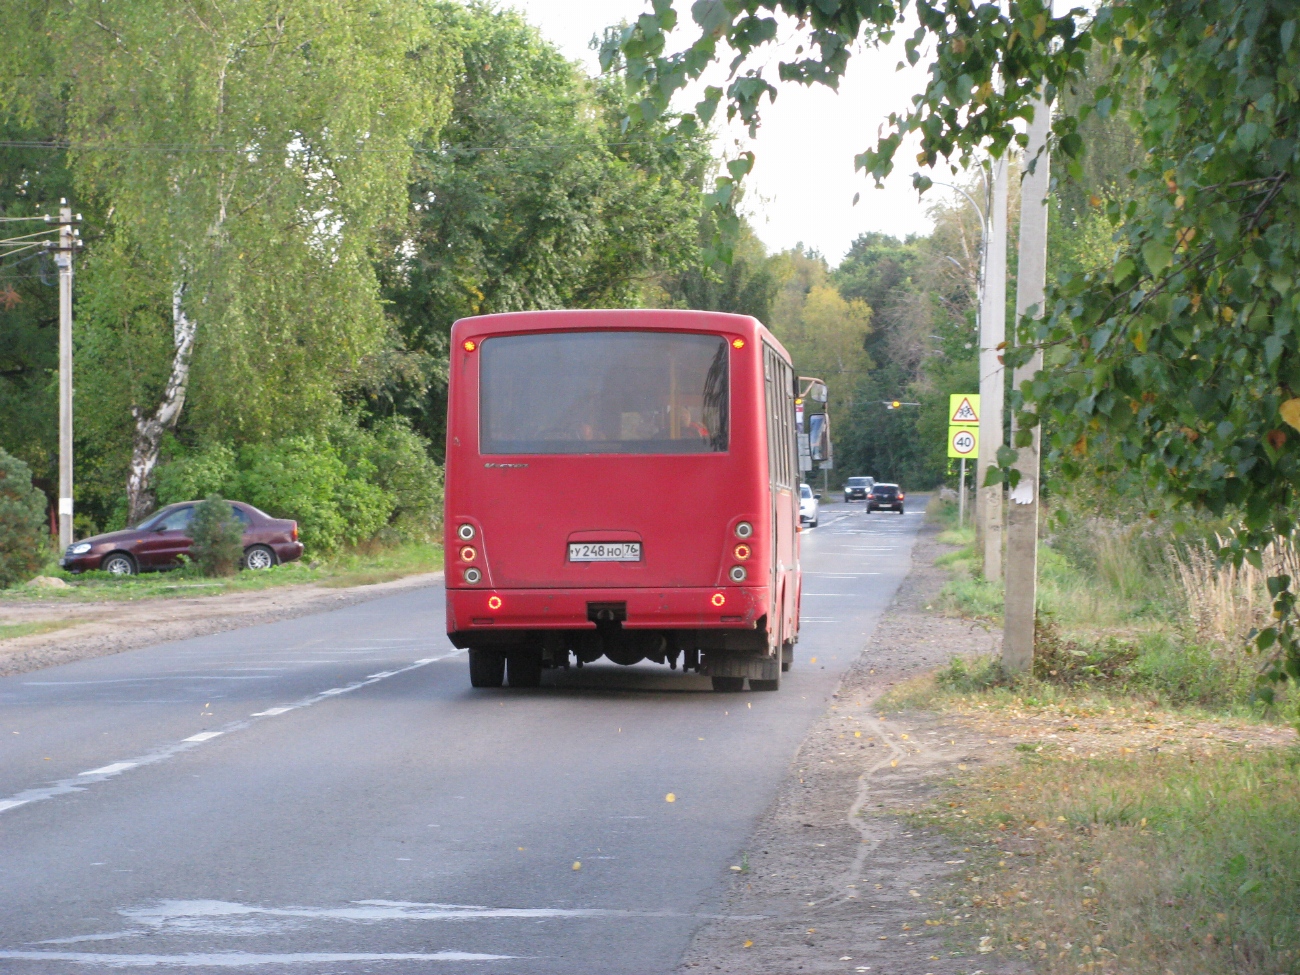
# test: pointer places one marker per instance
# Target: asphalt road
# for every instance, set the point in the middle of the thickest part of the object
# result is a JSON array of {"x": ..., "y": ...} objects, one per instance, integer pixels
[{"x": 328, "y": 794}]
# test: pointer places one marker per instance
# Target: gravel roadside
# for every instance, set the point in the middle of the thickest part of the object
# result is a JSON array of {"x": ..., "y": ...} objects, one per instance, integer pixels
[
  {"x": 843, "y": 882},
  {"x": 97, "y": 629}
]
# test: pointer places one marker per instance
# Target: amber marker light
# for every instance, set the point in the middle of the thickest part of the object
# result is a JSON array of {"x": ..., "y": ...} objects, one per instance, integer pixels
[
  {"x": 742, "y": 552},
  {"x": 469, "y": 345},
  {"x": 737, "y": 343},
  {"x": 467, "y": 554},
  {"x": 718, "y": 599},
  {"x": 494, "y": 602}
]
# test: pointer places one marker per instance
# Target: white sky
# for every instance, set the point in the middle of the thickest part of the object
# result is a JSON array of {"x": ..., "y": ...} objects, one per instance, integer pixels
[{"x": 802, "y": 186}]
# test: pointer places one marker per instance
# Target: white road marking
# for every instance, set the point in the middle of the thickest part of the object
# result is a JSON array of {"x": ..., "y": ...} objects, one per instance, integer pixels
[
  {"x": 111, "y": 769},
  {"x": 78, "y": 783},
  {"x": 204, "y": 736},
  {"x": 137, "y": 680},
  {"x": 270, "y": 712},
  {"x": 243, "y": 959}
]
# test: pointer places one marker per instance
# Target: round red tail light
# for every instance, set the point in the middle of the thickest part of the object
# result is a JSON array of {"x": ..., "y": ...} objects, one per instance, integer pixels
[
  {"x": 742, "y": 552},
  {"x": 718, "y": 599},
  {"x": 467, "y": 554},
  {"x": 494, "y": 602}
]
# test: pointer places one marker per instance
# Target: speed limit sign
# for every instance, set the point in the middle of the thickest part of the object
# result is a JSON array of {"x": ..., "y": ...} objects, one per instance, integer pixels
[{"x": 963, "y": 441}]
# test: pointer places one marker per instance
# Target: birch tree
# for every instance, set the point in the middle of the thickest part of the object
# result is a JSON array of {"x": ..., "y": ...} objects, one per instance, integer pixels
[{"x": 253, "y": 153}]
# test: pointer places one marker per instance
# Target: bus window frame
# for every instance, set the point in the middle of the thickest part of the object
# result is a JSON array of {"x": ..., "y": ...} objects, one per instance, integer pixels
[{"x": 725, "y": 338}]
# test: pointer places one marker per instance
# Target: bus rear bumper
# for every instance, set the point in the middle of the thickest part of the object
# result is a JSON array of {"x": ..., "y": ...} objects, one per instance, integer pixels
[{"x": 724, "y": 607}]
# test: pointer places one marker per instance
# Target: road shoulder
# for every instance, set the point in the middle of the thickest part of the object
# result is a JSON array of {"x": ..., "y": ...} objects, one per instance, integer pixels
[
  {"x": 98, "y": 629},
  {"x": 844, "y": 882}
]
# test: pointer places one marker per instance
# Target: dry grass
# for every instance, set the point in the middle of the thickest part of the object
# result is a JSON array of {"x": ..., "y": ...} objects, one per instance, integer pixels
[
  {"x": 10, "y": 630},
  {"x": 1148, "y": 863},
  {"x": 1225, "y": 602}
]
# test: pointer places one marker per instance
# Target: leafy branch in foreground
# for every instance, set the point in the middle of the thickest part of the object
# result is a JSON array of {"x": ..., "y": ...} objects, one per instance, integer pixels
[{"x": 1180, "y": 355}]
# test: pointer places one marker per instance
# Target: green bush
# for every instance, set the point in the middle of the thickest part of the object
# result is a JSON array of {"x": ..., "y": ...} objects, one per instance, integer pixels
[
  {"x": 22, "y": 522},
  {"x": 218, "y": 537},
  {"x": 347, "y": 487}
]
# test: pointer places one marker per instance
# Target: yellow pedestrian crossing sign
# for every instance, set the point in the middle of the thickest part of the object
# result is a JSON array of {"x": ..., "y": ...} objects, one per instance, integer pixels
[
  {"x": 963, "y": 441},
  {"x": 963, "y": 408}
]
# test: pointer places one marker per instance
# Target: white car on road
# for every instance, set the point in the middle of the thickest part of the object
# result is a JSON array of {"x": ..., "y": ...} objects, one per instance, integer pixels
[{"x": 808, "y": 505}]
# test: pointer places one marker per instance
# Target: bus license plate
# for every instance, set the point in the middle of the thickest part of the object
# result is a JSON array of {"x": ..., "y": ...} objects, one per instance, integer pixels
[{"x": 604, "y": 551}]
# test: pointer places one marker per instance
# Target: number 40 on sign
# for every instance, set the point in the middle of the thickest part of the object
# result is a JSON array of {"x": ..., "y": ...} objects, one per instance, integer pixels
[{"x": 963, "y": 441}]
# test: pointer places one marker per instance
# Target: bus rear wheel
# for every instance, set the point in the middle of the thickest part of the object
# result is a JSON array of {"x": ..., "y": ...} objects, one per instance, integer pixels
[
  {"x": 524, "y": 668},
  {"x": 487, "y": 668},
  {"x": 728, "y": 685}
]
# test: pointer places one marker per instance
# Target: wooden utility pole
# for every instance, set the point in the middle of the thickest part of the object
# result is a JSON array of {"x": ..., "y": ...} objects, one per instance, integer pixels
[
  {"x": 63, "y": 258},
  {"x": 1022, "y": 514},
  {"x": 993, "y": 329}
]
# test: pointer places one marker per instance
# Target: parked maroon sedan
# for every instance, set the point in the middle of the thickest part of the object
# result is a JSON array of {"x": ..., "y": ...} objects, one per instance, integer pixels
[{"x": 160, "y": 540}]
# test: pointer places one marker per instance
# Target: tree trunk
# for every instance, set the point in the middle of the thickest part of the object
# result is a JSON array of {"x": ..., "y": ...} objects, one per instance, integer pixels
[{"x": 149, "y": 429}]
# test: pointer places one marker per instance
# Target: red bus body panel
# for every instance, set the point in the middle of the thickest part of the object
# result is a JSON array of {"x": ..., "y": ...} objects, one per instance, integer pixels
[{"x": 526, "y": 508}]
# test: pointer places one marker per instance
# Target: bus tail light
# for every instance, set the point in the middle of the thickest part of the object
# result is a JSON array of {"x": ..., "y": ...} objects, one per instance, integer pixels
[
  {"x": 295, "y": 531},
  {"x": 465, "y": 532},
  {"x": 472, "y": 576},
  {"x": 718, "y": 599},
  {"x": 467, "y": 554},
  {"x": 494, "y": 602},
  {"x": 469, "y": 345},
  {"x": 738, "y": 573},
  {"x": 744, "y": 530},
  {"x": 741, "y": 552}
]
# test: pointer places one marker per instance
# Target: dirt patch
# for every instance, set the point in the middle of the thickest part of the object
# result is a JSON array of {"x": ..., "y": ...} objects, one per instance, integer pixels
[
  {"x": 96, "y": 629},
  {"x": 845, "y": 884},
  {"x": 845, "y": 880}
]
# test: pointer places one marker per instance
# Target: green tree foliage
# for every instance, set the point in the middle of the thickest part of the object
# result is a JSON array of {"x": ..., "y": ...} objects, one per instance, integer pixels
[
  {"x": 31, "y": 183},
  {"x": 251, "y": 206},
  {"x": 345, "y": 487},
  {"x": 1183, "y": 351},
  {"x": 22, "y": 522},
  {"x": 824, "y": 332},
  {"x": 534, "y": 197},
  {"x": 218, "y": 537},
  {"x": 747, "y": 285}
]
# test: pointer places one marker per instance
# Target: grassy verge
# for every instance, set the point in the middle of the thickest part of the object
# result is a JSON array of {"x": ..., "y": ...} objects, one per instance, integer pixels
[
  {"x": 10, "y": 630},
  {"x": 1141, "y": 862},
  {"x": 1148, "y": 820},
  {"x": 365, "y": 565}
]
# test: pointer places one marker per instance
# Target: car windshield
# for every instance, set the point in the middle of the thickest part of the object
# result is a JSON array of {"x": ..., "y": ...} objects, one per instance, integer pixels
[
  {"x": 604, "y": 393},
  {"x": 805, "y": 491},
  {"x": 858, "y": 482}
]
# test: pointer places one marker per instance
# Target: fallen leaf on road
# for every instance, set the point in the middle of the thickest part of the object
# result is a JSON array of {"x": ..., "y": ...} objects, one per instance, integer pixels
[
  {"x": 749, "y": 944},
  {"x": 894, "y": 763},
  {"x": 577, "y": 865},
  {"x": 671, "y": 797},
  {"x": 737, "y": 869},
  {"x": 857, "y": 734}
]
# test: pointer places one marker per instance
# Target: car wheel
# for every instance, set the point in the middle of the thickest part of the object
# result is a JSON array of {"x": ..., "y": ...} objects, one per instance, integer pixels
[
  {"x": 900, "y": 511},
  {"x": 119, "y": 564},
  {"x": 259, "y": 557},
  {"x": 524, "y": 669},
  {"x": 728, "y": 685},
  {"x": 814, "y": 523},
  {"x": 487, "y": 668}
]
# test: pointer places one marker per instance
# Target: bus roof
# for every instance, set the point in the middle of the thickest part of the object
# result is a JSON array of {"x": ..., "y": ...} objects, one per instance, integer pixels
[{"x": 617, "y": 319}]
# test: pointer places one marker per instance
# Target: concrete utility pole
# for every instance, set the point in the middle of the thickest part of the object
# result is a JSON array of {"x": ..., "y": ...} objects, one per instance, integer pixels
[
  {"x": 1022, "y": 515},
  {"x": 993, "y": 330},
  {"x": 67, "y": 244}
]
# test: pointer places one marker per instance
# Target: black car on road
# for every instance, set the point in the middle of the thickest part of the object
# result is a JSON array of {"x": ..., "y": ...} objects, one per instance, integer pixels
[
  {"x": 886, "y": 497},
  {"x": 857, "y": 488}
]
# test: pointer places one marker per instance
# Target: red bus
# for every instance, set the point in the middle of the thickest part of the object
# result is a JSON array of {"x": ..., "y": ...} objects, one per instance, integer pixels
[{"x": 622, "y": 484}]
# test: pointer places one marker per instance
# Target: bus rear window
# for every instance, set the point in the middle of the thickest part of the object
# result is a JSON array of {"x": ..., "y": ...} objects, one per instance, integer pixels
[{"x": 603, "y": 393}]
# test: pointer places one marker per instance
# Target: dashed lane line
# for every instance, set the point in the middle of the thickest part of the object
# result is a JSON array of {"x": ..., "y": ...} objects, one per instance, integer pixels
[{"x": 79, "y": 782}]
